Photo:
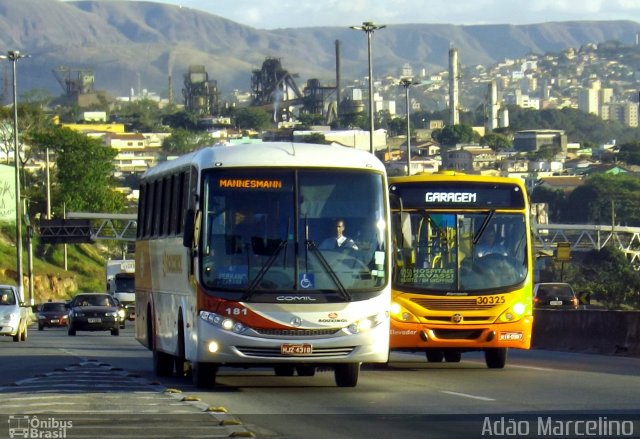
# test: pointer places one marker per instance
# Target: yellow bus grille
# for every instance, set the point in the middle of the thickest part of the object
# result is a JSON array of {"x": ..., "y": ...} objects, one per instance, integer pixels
[{"x": 466, "y": 304}]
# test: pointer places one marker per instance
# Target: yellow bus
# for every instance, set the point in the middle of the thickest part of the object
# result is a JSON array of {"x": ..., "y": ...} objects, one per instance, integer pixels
[
  {"x": 231, "y": 270},
  {"x": 463, "y": 266}
]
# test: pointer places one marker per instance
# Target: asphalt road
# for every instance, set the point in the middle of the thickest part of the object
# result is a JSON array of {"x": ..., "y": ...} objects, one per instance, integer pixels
[{"x": 407, "y": 398}]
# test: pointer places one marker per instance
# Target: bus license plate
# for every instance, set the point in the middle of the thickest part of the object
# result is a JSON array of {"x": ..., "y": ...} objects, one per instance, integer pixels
[
  {"x": 296, "y": 349},
  {"x": 94, "y": 320}
]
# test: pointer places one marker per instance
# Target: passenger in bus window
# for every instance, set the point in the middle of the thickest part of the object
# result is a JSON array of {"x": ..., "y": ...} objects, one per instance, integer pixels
[{"x": 340, "y": 241}]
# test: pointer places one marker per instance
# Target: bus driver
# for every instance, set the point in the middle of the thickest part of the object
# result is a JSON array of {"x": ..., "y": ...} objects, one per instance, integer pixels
[{"x": 340, "y": 241}]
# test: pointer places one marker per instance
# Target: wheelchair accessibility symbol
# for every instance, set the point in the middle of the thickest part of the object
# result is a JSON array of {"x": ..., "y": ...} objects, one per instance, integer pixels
[{"x": 306, "y": 281}]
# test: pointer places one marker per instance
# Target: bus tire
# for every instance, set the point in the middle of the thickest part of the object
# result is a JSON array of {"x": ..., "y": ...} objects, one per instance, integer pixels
[
  {"x": 306, "y": 371},
  {"x": 434, "y": 355},
  {"x": 495, "y": 358},
  {"x": 180, "y": 357},
  {"x": 203, "y": 375},
  {"x": 162, "y": 364},
  {"x": 284, "y": 370},
  {"x": 452, "y": 356},
  {"x": 346, "y": 375}
]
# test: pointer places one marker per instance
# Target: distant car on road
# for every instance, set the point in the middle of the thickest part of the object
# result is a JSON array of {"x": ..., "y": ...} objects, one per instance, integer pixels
[
  {"x": 51, "y": 315},
  {"x": 14, "y": 315},
  {"x": 94, "y": 312},
  {"x": 554, "y": 295}
]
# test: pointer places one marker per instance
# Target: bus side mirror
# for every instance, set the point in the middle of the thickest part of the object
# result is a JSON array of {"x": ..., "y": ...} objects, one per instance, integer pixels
[{"x": 189, "y": 228}]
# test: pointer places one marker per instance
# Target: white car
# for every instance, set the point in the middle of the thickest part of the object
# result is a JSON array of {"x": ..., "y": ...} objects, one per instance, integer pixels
[{"x": 14, "y": 317}]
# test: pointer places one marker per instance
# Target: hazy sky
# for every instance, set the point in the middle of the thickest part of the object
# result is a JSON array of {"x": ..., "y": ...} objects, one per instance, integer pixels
[{"x": 271, "y": 14}]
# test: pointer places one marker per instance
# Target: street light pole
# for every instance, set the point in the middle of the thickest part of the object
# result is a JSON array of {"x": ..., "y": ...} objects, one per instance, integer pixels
[
  {"x": 406, "y": 83},
  {"x": 369, "y": 27},
  {"x": 14, "y": 56}
]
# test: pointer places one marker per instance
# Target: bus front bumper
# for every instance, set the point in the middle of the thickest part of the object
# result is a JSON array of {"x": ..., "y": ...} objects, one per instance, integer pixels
[
  {"x": 419, "y": 336},
  {"x": 225, "y": 347}
]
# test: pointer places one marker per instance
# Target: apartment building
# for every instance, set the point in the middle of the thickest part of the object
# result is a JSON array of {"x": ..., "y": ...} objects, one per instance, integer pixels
[
  {"x": 471, "y": 159},
  {"x": 533, "y": 140},
  {"x": 136, "y": 151}
]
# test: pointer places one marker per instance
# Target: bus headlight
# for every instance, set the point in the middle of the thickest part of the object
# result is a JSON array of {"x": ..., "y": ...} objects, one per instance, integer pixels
[
  {"x": 401, "y": 314},
  {"x": 514, "y": 312},
  {"x": 222, "y": 322},
  {"x": 213, "y": 347},
  {"x": 366, "y": 323}
]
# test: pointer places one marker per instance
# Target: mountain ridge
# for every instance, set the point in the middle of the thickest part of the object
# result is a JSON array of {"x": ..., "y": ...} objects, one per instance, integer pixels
[{"x": 140, "y": 44}]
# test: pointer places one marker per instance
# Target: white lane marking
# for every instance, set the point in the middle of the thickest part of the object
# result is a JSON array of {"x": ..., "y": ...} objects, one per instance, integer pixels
[{"x": 466, "y": 395}]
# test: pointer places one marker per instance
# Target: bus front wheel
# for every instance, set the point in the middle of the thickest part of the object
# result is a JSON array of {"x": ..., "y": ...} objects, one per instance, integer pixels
[
  {"x": 346, "y": 375},
  {"x": 203, "y": 375},
  {"x": 495, "y": 358}
]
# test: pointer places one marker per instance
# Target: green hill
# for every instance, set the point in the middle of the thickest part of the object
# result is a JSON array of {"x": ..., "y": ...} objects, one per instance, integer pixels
[{"x": 85, "y": 267}]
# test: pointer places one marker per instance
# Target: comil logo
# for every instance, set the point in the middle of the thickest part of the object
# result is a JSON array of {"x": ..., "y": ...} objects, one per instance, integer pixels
[{"x": 23, "y": 426}]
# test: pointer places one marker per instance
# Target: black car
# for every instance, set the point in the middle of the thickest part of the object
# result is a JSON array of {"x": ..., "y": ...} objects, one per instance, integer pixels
[
  {"x": 52, "y": 314},
  {"x": 93, "y": 312},
  {"x": 556, "y": 295}
]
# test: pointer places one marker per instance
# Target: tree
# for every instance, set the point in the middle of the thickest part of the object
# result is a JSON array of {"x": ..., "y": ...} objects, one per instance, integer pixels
[
  {"x": 452, "y": 135},
  {"x": 84, "y": 172},
  {"x": 142, "y": 115},
  {"x": 248, "y": 118},
  {"x": 31, "y": 118},
  {"x": 354, "y": 120},
  {"x": 555, "y": 198},
  {"x": 630, "y": 153},
  {"x": 592, "y": 202},
  {"x": 308, "y": 119},
  {"x": 607, "y": 275},
  {"x": 398, "y": 126},
  {"x": 546, "y": 152},
  {"x": 182, "y": 141},
  {"x": 315, "y": 138},
  {"x": 495, "y": 141}
]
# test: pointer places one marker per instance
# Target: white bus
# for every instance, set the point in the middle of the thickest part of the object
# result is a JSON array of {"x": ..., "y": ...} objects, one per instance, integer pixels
[{"x": 230, "y": 270}]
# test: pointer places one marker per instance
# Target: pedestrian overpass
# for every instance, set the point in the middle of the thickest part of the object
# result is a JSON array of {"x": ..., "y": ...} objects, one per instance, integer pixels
[{"x": 580, "y": 237}]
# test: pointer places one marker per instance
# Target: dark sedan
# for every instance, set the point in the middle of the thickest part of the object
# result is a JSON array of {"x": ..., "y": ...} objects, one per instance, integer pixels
[
  {"x": 51, "y": 315},
  {"x": 555, "y": 295},
  {"x": 93, "y": 312}
]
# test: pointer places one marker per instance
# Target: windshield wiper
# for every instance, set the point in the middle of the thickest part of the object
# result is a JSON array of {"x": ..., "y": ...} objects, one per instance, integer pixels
[
  {"x": 327, "y": 268},
  {"x": 483, "y": 226},
  {"x": 263, "y": 271}
]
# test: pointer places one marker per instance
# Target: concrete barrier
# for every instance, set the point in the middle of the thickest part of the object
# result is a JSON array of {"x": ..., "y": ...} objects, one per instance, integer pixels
[{"x": 587, "y": 331}]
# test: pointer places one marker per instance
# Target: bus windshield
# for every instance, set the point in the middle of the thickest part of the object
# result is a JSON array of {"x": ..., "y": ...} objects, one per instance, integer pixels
[
  {"x": 445, "y": 253},
  {"x": 276, "y": 231}
]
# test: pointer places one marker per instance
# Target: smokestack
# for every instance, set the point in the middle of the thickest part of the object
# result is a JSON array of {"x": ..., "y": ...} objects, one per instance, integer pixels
[
  {"x": 453, "y": 87},
  {"x": 491, "y": 123},
  {"x": 337, "y": 77},
  {"x": 170, "y": 91}
]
